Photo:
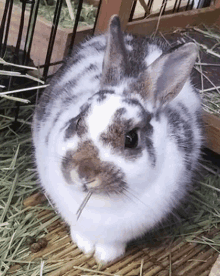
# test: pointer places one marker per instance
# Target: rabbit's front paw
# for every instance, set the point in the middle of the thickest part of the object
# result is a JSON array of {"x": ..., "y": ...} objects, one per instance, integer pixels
[
  {"x": 83, "y": 244},
  {"x": 105, "y": 253}
]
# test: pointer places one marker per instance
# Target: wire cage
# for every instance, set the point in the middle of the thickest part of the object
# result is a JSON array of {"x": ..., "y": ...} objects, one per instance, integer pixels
[
  {"x": 27, "y": 33},
  {"x": 22, "y": 34},
  {"x": 26, "y": 40}
]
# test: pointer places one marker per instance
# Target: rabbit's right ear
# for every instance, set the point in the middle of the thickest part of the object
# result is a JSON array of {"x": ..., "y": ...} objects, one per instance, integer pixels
[
  {"x": 166, "y": 76},
  {"x": 115, "y": 63}
]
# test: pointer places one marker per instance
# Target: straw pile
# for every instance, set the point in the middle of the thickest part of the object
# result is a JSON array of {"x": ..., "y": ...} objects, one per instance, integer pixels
[{"x": 188, "y": 245}]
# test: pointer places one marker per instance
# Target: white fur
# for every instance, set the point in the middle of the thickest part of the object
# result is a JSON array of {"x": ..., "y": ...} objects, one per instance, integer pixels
[
  {"x": 108, "y": 223},
  {"x": 154, "y": 53},
  {"x": 129, "y": 47},
  {"x": 97, "y": 128}
]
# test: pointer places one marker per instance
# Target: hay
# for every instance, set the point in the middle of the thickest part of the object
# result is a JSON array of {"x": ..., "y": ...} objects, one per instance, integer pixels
[
  {"x": 87, "y": 16},
  {"x": 211, "y": 101},
  {"x": 23, "y": 213},
  {"x": 17, "y": 174}
]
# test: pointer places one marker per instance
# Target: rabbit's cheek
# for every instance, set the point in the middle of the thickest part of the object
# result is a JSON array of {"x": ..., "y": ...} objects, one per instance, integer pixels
[{"x": 75, "y": 177}]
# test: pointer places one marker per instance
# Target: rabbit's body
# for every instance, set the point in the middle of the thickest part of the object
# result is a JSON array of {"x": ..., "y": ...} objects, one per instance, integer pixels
[{"x": 94, "y": 130}]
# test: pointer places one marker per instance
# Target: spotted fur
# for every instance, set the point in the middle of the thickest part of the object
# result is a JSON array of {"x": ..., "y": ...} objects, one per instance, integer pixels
[{"x": 120, "y": 120}]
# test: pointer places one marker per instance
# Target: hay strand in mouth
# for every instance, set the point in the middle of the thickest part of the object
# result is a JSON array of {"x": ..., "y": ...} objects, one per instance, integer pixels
[{"x": 83, "y": 204}]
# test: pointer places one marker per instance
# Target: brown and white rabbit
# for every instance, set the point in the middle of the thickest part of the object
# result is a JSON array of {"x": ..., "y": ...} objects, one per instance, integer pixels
[{"x": 119, "y": 123}]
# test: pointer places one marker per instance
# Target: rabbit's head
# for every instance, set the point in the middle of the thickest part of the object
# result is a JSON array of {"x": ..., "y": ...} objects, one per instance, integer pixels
[{"x": 112, "y": 137}]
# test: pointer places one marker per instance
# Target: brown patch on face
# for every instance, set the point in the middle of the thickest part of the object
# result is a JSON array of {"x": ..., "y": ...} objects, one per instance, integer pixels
[
  {"x": 86, "y": 160},
  {"x": 92, "y": 173},
  {"x": 112, "y": 179},
  {"x": 115, "y": 136}
]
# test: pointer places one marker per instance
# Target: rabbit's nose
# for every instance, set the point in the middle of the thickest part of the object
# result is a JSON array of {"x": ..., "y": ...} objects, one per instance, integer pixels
[{"x": 88, "y": 170}]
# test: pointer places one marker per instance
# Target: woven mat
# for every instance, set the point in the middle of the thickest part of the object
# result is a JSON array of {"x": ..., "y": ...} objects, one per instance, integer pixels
[
  {"x": 174, "y": 258},
  {"x": 215, "y": 271}
]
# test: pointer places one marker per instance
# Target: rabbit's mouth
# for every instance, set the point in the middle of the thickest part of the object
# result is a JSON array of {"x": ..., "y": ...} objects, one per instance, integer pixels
[
  {"x": 97, "y": 186},
  {"x": 84, "y": 169},
  {"x": 109, "y": 180},
  {"x": 91, "y": 175}
]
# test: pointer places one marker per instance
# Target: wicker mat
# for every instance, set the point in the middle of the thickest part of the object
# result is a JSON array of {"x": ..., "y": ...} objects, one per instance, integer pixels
[{"x": 174, "y": 258}]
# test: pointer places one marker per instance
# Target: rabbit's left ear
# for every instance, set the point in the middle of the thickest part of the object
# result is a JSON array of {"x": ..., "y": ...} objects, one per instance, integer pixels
[
  {"x": 115, "y": 64},
  {"x": 166, "y": 76}
]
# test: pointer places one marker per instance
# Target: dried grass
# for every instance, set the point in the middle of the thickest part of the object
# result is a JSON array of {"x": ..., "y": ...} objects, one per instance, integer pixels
[
  {"x": 211, "y": 95},
  {"x": 87, "y": 16},
  {"x": 18, "y": 180}
]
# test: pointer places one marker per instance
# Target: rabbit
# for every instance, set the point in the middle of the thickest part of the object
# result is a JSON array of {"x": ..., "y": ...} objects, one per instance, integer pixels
[{"x": 117, "y": 138}]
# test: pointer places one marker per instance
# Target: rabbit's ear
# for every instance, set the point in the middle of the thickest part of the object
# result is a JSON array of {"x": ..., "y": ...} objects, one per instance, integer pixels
[
  {"x": 115, "y": 63},
  {"x": 166, "y": 76}
]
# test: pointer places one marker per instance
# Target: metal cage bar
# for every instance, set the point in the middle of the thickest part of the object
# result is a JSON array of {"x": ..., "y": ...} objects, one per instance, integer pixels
[
  {"x": 52, "y": 37},
  {"x": 79, "y": 9},
  {"x": 118, "y": 6},
  {"x": 21, "y": 27},
  {"x": 30, "y": 30},
  {"x": 3, "y": 22},
  {"x": 98, "y": 10},
  {"x": 6, "y": 21}
]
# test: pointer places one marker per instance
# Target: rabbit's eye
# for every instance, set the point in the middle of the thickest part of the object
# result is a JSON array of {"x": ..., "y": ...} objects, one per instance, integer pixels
[{"x": 131, "y": 139}]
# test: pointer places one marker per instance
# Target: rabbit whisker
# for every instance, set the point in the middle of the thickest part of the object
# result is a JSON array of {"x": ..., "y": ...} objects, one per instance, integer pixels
[
  {"x": 83, "y": 204},
  {"x": 132, "y": 195}
]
